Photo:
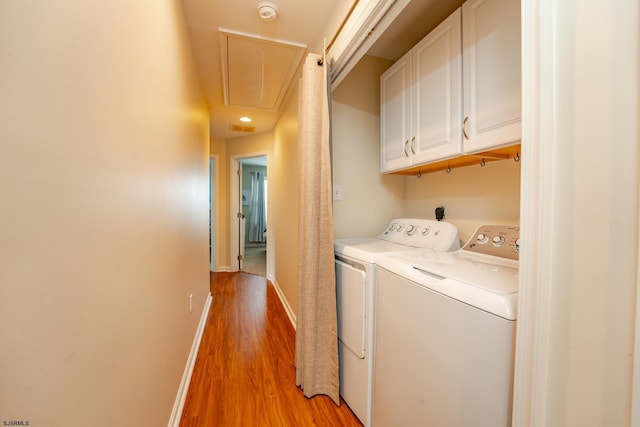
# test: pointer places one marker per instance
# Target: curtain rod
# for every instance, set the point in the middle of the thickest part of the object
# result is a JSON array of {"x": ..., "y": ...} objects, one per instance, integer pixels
[{"x": 342, "y": 24}]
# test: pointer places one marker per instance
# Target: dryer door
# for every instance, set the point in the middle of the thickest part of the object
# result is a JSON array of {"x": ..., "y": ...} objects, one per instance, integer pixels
[{"x": 350, "y": 295}]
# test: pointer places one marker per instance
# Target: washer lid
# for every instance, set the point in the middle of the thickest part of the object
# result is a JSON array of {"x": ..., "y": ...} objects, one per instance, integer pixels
[
  {"x": 491, "y": 273},
  {"x": 486, "y": 285},
  {"x": 401, "y": 235},
  {"x": 368, "y": 249}
]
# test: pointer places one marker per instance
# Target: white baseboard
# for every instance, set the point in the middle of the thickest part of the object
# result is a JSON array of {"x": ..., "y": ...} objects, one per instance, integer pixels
[
  {"x": 226, "y": 269},
  {"x": 283, "y": 300},
  {"x": 178, "y": 405}
]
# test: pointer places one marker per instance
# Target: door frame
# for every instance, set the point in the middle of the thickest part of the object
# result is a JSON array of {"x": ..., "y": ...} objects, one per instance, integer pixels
[
  {"x": 235, "y": 195},
  {"x": 539, "y": 147},
  {"x": 213, "y": 215}
]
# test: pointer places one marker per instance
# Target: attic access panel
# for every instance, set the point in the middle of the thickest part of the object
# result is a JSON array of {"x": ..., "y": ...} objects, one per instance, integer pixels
[{"x": 256, "y": 72}]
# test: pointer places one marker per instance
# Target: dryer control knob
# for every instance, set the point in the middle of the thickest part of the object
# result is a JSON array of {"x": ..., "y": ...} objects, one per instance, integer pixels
[
  {"x": 498, "y": 240},
  {"x": 410, "y": 230},
  {"x": 425, "y": 231},
  {"x": 399, "y": 228},
  {"x": 482, "y": 238},
  {"x": 518, "y": 244}
]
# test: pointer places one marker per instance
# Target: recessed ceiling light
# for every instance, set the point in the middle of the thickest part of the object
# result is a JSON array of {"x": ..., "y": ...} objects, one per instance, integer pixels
[{"x": 245, "y": 119}]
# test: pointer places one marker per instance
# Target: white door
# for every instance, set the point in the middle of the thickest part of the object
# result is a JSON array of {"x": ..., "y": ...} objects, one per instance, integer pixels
[
  {"x": 241, "y": 218},
  {"x": 437, "y": 93},
  {"x": 491, "y": 74},
  {"x": 395, "y": 116}
]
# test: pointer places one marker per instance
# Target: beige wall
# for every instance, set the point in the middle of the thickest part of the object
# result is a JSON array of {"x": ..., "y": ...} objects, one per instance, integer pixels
[
  {"x": 103, "y": 176},
  {"x": 471, "y": 195},
  {"x": 283, "y": 196},
  {"x": 218, "y": 150},
  {"x": 369, "y": 199}
]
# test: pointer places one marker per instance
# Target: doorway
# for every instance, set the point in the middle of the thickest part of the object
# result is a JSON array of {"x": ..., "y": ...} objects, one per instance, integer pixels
[{"x": 253, "y": 196}]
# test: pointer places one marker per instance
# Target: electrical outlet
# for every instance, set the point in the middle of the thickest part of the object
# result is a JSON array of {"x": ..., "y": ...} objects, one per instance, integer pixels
[{"x": 190, "y": 303}]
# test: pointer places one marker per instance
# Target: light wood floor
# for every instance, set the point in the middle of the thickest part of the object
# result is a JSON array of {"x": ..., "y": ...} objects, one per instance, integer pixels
[{"x": 244, "y": 373}]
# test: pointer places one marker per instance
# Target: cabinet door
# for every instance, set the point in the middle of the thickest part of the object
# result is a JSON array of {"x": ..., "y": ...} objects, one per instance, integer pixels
[
  {"x": 491, "y": 73},
  {"x": 437, "y": 98},
  {"x": 395, "y": 115}
]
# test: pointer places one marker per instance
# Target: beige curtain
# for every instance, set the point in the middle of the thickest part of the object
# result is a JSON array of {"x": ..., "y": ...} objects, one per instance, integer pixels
[{"x": 316, "y": 326}]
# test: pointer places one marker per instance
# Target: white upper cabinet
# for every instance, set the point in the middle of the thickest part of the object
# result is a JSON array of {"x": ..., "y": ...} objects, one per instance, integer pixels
[
  {"x": 395, "y": 115},
  {"x": 492, "y": 74},
  {"x": 437, "y": 93},
  {"x": 457, "y": 91},
  {"x": 420, "y": 97}
]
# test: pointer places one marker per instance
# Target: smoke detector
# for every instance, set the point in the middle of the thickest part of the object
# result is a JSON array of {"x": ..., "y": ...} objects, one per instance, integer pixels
[{"x": 267, "y": 11}]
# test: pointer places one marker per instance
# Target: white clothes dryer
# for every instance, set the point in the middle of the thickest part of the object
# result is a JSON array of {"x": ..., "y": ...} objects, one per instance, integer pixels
[
  {"x": 445, "y": 334},
  {"x": 355, "y": 261}
]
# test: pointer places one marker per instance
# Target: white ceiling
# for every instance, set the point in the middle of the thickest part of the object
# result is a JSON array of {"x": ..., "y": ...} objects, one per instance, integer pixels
[{"x": 306, "y": 22}]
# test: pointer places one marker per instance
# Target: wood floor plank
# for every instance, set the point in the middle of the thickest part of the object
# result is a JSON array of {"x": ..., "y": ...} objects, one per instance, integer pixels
[{"x": 244, "y": 373}]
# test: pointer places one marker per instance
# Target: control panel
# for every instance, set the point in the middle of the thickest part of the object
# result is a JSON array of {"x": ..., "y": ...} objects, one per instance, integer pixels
[
  {"x": 422, "y": 233},
  {"x": 497, "y": 240}
]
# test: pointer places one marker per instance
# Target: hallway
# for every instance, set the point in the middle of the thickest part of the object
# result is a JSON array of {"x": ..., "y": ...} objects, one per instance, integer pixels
[{"x": 244, "y": 374}]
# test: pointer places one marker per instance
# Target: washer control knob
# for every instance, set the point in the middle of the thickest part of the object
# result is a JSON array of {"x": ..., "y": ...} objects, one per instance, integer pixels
[
  {"x": 399, "y": 228},
  {"x": 518, "y": 244},
  {"x": 392, "y": 227},
  {"x": 411, "y": 229},
  {"x": 482, "y": 238},
  {"x": 425, "y": 231},
  {"x": 498, "y": 240}
]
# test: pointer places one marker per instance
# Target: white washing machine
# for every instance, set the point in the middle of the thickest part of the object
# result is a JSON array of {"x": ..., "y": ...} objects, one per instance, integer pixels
[
  {"x": 355, "y": 261},
  {"x": 445, "y": 334}
]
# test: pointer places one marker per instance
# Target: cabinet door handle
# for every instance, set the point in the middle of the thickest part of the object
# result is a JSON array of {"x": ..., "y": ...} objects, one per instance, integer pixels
[
  {"x": 464, "y": 128},
  {"x": 405, "y": 148},
  {"x": 413, "y": 145}
]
